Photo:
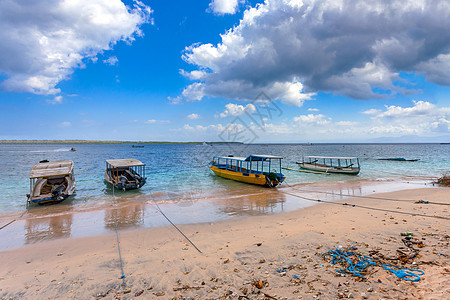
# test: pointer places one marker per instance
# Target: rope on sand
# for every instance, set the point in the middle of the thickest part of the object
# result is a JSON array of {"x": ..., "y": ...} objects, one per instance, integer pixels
[
  {"x": 12, "y": 221},
  {"x": 160, "y": 210},
  {"x": 117, "y": 236},
  {"x": 345, "y": 259},
  {"x": 357, "y": 264},
  {"x": 368, "y": 197},
  {"x": 404, "y": 273},
  {"x": 367, "y": 207}
]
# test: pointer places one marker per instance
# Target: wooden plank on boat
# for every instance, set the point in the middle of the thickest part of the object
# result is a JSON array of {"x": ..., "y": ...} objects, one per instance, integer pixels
[{"x": 305, "y": 171}]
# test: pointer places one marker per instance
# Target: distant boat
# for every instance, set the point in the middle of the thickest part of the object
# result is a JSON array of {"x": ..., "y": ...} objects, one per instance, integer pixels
[
  {"x": 125, "y": 174},
  {"x": 51, "y": 182},
  {"x": 73, "y": 149},
  {"x": 137, "y": 146},
  {"x": 398, "y": 159},
  {"x": 255, "y": 169},
  {"x": 341, "y": 165}
]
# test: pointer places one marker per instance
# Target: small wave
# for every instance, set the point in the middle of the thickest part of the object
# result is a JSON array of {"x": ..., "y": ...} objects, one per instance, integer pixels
[{"x": 51, "y": 150}]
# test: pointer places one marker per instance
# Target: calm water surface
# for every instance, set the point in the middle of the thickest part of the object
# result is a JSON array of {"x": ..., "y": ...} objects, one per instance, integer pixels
[{"x": 180, "y": 180}]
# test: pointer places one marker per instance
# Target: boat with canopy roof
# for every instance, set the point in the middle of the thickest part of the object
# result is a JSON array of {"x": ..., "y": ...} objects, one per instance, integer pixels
[
  {"x": 264, "y": 170},
  {"x": 125, "y": 174},
  {"x": 51, "y": 182},
  {"x": 341, "y": 165}
]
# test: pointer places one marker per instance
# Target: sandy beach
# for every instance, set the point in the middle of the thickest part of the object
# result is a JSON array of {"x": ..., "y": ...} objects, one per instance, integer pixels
[{"x": 277, "y": 256}]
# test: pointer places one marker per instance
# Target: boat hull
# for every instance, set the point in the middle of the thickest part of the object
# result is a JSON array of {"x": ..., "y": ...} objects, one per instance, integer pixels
[
  {"x": 329, "y": 169},
  {"x": 50, "y": 199},
  {"x": 252, "y": 178},
  {"x": 124, "y": 186}
]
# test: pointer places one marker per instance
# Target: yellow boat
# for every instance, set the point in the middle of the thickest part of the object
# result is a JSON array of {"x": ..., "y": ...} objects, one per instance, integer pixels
[{"x": 249, "y": 169}]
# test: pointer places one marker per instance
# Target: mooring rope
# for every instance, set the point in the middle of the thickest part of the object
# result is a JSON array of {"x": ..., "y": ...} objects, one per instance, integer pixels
[
  {"x": 160, "y": 210},
  {"x": 368, "y": 197},
  {"x": 117, "y": 236},
  {"x": 366, "y": 207},
  {"x": 12, "y": 221}
]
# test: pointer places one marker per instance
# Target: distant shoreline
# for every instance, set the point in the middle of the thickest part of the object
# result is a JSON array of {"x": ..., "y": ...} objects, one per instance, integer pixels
[
  {"x": 94, "y": 142},
  {"x": 81, "y": 142}
]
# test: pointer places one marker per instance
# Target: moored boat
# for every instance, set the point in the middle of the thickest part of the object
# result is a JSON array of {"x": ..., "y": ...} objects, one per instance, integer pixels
[
  {"x": 341, "y": 165},
  {"x": 51, "y": 182},
  {"x": 264, "y": 170},
  {"x": 398, "y": 159},
  {"x": 125, "y": 174}
]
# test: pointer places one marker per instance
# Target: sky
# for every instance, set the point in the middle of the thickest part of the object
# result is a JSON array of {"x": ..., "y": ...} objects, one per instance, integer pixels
[{"x": 277, "y": 71}]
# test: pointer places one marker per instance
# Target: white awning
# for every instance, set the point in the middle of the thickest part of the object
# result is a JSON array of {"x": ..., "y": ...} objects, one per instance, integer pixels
[
  {"x": 51, "y": 169},
  {"x": 329, "y": 157},
  {"x": 122, "y": 163}
]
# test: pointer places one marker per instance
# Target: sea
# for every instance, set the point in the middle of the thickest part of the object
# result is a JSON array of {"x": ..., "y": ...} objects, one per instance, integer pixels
[{"x": 179, "y": 180}]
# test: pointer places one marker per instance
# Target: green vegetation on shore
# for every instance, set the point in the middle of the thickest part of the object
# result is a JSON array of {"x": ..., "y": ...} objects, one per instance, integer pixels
[{"x": 74, "y": 142}]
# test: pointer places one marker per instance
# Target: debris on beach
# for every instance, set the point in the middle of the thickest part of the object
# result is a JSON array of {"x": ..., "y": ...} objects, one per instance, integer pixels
[
  {"x": 444, "y": 180},
  {"x": 362, "y": 266}
]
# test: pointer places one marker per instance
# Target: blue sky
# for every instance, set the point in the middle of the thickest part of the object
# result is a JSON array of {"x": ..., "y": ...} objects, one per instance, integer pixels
[{"x": 225, "y": 70}]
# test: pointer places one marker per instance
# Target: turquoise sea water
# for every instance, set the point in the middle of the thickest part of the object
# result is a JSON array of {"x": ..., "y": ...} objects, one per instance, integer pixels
[
  {"x": 176, "y": 169},
  {"x": 187, "y": 191}
]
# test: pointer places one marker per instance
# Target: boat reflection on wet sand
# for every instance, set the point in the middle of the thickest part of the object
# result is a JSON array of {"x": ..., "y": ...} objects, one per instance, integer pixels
[
  {"x": 40, "y": 226},
  {"x": 252, "y": 204},
  {"x": 128, "y": 216}
]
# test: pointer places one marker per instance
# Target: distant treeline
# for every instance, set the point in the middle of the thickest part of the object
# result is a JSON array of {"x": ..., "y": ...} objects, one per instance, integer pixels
[{"x": 74, "y": 142}]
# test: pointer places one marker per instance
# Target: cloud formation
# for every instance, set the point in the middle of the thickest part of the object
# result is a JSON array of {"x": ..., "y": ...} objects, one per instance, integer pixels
[
  {"x": 222, "y": 7},
  {"x": 113, "y": 60},
  {"x": 193, "y": 116},
  {"x": 291, "y": 49},
  {"x": 153, "y": 121},
  {"x": 44, "y": 41},
  {"x": 234, "y": 110},
  {"x": 420, "y": 119}
]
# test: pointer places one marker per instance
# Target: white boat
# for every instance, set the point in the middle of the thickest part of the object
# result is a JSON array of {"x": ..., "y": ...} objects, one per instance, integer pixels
[
  {"x": 342, "y": 165},
  {"x": 51, "y": 182},
  {"x": 125, "y": 174}
]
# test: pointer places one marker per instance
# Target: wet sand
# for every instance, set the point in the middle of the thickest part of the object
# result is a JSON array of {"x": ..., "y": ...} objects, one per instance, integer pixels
[
  {"x": 276, "y": 256},
  {"x": 136, "y": 210}
]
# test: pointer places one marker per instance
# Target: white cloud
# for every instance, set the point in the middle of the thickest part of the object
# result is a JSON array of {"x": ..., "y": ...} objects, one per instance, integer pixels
[
  {"x": 420, "y": 108},
  {"x": 44, "y": 41},
  {"x": 65, "y": 124},
  {"x": 372, "y": 111},
  {"x": 292, "y": 49},
  {"x": 193, "y": 116},
  {"x": 313, "y": 109},
  {"x": 112, "y": 61},
  {"x": 422, "y": 119},
  {"x": 221, "y": 7},
  {"x": 234, "y": 110},
  {"x": 346, "y": 123},
  {"x": 56, "y": 100},
  {"x": 193, "y": 75},
  {"x": 152, "y": 121},
  {"x": 194, "y": 92},
  {"x": 175, "y": 100},
  {"x": 312, "y": 119}
]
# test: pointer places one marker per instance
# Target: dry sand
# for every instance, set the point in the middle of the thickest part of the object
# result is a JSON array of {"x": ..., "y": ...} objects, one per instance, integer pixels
[{"x": 242, "y": 253}]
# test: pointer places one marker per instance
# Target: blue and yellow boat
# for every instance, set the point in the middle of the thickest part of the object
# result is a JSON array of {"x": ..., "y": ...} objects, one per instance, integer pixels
[{"x": 262, "y": 170}]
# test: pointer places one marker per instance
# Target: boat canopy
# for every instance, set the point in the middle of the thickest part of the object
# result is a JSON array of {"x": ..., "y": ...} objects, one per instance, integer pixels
[
  {"x": 52, "y": 169},
  {"x": 329, "y": 157},
  {"x": 123, "y": 163},
  {"x": 251, "y": 157}
]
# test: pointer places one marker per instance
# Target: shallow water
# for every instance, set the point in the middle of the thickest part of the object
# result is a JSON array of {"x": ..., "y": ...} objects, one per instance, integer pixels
[
  {"x": 174, "y": 170},
  {"x": 180, "y": 181}
]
